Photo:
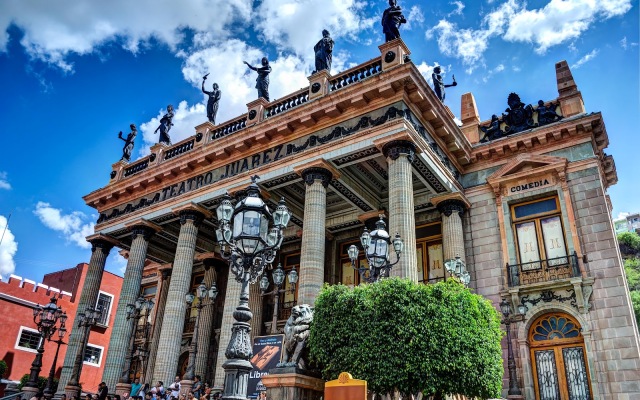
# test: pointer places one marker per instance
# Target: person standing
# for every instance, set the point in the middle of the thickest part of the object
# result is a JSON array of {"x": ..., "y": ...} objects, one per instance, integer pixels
[
  {"x": 197, "y": 387},
  {"x": 135, "y": 388},
  {"x": 175, "y": 387},
  {"x": 103, "y": 391}
]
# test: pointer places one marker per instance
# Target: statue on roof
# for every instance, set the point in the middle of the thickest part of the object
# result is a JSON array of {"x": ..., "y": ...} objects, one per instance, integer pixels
[
  {"x": 262, "y": 81},
  {"x": 165, "y": 126},
  {"x": 438, "y": 83},
  {"x": 128, "y": 143},
  {"x": 214, "y": 99},
  {"x": 518, "y": 117},
  {"x": 324, "y": 52},
  {"x": 547, "y": 114},
  {"x": 392, "y": 18},
  {"x": 492, "y": 131}
]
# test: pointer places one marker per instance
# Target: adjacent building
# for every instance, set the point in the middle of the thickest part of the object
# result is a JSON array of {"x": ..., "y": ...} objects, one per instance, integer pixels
[
  {"x": 19, "y": 337},
  {"x": 521, "y": 199}
]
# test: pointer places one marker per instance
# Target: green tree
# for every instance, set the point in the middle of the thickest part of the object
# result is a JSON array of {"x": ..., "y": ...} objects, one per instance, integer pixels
[
  {"x": 402, "y": 336},
  {"x": 630, "y": 248},
  {"x": 3, "y": 368},
  {"x": 42, "y": 382},
  {"x": 629, "y": 243}
]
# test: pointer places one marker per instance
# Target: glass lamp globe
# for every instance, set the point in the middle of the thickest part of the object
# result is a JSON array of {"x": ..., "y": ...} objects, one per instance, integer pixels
[
  {"x": 378, "y": 250},
  {"x": 353, "y": 252},
  {"x": 293, "y": 276},
  {"x": 278, "y": 276},
  {"x": 264, "y": 283},
  {"x": 213, "y": 291}
]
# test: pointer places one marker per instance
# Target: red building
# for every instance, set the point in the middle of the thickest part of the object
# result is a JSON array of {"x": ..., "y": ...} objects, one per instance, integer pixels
[{"x": 19, "y": 335}]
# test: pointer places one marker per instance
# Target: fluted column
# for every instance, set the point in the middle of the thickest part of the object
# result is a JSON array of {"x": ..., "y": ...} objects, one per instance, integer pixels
[
  {"x": 230, "y": 303},
  {"x": 400, "y": 154},
  {"x": 161, "y": 302},
  {"x": 114, "y": 370},
  {"x": 452, "y": 233},
  {"x": 255, "y": 304},
  {"x": 205, "y": 326},
  {"x": 100, "y": 248},
  {"x": 176, "y": 307},
  {"x": 313, "y": 234}
]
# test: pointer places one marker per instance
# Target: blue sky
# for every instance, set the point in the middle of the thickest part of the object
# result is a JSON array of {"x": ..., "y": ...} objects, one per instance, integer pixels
[{"x": 74, "y": 74}]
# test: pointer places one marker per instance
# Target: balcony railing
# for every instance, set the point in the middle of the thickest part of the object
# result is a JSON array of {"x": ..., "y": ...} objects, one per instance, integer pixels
[
  {"x": 179, "y": 148},
  {"x": 547, "y": 270},
  {"x": 230, "y": 127},
  {"x": 293, "y": 100},
  {"x": 356, "y": 74},
  {"x": 136, "y": 167}
]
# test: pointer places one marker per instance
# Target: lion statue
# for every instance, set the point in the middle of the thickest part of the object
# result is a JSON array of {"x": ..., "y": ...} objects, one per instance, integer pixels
[{"x": 296, "y": 334}]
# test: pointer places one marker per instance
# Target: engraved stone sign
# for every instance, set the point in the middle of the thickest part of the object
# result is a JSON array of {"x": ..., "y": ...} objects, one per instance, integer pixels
[{"x": 345, "y": 388}]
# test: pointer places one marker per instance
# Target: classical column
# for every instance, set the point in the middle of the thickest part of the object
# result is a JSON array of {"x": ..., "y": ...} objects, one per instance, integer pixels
[
  {"x": 114, "y": 370},
  {"x": 161, "y": 302},
  {"x": 176, "y": 307},
  {"x": 100, "y": 247},
  {"x": 230, "y": 303},
  {"x": 452, "y": 233},
  {"x": 205, "y": 326},
  {"x": 255, "y": 304},
  {"x": 402, "y": 220},
  {"x": 313, "y": 234}
]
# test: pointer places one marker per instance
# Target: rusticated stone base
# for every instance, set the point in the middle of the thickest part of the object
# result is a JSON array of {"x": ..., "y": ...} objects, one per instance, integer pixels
[{"x": 290, "y": 383}]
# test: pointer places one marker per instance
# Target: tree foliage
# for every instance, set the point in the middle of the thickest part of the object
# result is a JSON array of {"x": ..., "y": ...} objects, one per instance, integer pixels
[
  {"x": 630, "y": 248},
  {"x": 629, "y": 243},
  {"x": 42, "y": 382},
  {"x": 404, "y": 336},
  {"x": 3, "y": 368}
]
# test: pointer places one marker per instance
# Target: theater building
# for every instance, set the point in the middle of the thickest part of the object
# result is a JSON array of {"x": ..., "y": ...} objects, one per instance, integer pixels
[{"x": 521, "y": 199}]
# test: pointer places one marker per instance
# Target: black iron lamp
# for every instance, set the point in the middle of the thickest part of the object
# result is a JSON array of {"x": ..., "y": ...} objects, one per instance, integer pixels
[
  {"x": 249, "y": 237},
  {"x": 456, "y": 267},
  {"x": 505, "y": 308},
  {"x": 376, "y": 249},
  {"x": 202, "y": 293},
  {"x": 278, "y": 277},
  {"x": 140, "y": 308}
]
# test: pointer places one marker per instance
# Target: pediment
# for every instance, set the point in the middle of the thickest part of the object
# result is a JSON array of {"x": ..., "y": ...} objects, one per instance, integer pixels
[{"x": 528, "y": 165}]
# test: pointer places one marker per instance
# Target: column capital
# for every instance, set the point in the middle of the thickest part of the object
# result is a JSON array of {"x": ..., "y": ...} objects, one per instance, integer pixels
[
  {"x": 395, "y": 148},
  {"x": 102, "y": 242},
  {"x": 143, "y": 227},
  {"x": 192, "y": 212},
  {"x": 451, "y": 202},
  {"x": 317, "y": 169}
]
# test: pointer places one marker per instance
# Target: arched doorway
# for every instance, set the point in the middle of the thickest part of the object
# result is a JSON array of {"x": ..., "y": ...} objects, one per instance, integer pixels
[
  {"x": 558, "y": 357},
  {"x": 183, "y": 363}
]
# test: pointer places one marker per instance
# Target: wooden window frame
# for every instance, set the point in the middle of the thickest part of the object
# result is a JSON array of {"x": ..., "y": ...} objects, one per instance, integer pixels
[{"x": 424, "y": 243}]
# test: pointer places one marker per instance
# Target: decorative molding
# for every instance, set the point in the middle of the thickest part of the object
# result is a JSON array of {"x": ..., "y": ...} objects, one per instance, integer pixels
[
  {"x": 548, "y": 296},
  {"x": 378, "y": 168},
  {"x": 448, "y": 207},
  {"x": 344, "y": 226},
  {"x": 356, "y": 156},
  {"x": 370, "y": 178},
  {"x": 426, "y": 173},
  {"x": 280, "y": 180},
  {"x": 352, "y": 197}
]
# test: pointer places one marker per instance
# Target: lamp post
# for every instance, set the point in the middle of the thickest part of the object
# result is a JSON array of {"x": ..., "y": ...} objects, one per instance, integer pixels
[
  {"x": 376, "y": 250},
  {"x": 456, "y": 267},
  {"x": 202, "y": 292},
  {"x": 278, "y": 279},
  {"x": 141, "y": 308},
  {"x": 250, "y": 245},
  {"x": 514, "y": 389},
  {"x": 45, "y": 318},
  {"x": 48, "y": 390},
  {"x": 86, "y": 320}
]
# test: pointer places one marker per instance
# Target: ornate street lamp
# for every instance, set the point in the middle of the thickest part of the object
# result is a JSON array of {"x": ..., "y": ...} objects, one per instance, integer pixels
[
  {"x": 376, "y": 249},
  {"x": 278, "y": 279},
  {"x": 48, "y": 390},
  {"x": 250, "y": 244},
  {"x": 86, "y": 320},
  {"x": 141, "y": 308},
  {"x": 514, "y": 389},
  {"x": 456, "y": 267},
  {"x": 45, "y": 318},
  {"x": 202, "y": 292}
]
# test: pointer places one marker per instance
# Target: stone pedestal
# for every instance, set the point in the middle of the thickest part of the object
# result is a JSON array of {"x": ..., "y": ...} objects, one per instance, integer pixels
[
  {"x": 72, "y": 390},
  {"x": 185, "y": 386},
  {"x": 291, "y": 383},
  {"x": 515, "y": 397},
  {"x": 29, "y": 392},
  {"x": 122, "y": 388}
]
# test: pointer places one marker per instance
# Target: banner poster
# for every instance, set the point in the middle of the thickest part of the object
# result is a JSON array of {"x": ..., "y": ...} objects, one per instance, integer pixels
[{"x": 267, "y": 353}]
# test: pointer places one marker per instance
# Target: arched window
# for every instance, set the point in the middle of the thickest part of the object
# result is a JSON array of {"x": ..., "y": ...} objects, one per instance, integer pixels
[{"x": 558, "y": 358}]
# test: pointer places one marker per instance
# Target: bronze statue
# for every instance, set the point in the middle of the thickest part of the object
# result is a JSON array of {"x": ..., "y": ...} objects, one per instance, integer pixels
[
  {"x": 493, "y": 131},
  {"x": 438, "y": 83},
  {"x": 324, "y": 52},
  {"x": 165, "y": 126},
  {"x": 296, "y": 334},
  {"x": 262, "y": 81},
  {"x": 214, "y": 99},
  {"x": 392, "y": 18},
  {"x": 128, "y": 143},
  {"x": 547, "y": 115}
]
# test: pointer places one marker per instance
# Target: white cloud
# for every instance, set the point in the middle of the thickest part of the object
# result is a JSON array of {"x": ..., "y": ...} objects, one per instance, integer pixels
[
  {"x": 8, "y": 248},
  {"x": 297, "y": 24},
  {"x": 117, "y": 263},
  {"x": 586, "y": 58},
  {"x": 459, "y": 7},
  {"x": 624, "y": 43},
  {"x": 622, "y": 215},
  {"x": 415, "y": 18},
  {"x": 4, "y": 181},
  {"x": 72, "y": 226},
  {"x": 53, "y": 30},
  {"x": 559, "y": 21}
]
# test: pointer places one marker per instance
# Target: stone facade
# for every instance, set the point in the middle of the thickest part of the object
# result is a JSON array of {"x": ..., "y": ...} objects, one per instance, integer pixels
[{"x": 527, "y": 211}]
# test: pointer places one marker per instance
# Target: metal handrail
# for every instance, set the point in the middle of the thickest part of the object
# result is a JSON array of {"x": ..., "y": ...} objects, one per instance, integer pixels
[
  {"x": 13, "y": 396},
  {"x": 547, "y": 270}
]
